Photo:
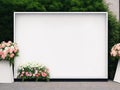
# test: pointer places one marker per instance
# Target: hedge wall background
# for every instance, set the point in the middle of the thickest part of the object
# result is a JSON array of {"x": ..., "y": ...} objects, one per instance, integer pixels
[{"x": 7, "y": 7}]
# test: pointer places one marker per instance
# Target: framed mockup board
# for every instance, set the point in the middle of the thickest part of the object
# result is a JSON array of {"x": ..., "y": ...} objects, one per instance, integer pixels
[{"x": 73, "y": 45}]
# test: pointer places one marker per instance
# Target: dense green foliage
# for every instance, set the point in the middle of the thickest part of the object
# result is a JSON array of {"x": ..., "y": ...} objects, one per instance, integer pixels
[{"x": 7, "y": 7}]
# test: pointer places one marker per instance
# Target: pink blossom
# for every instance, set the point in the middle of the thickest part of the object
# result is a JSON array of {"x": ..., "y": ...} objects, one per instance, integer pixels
[
  {"x": 1, "y": 52},
  {"x": 113, "y": 53},
  {"x": 30, "y": 74},
  {"x": 23, "y": 72},
  {"x": 5, "y": 52},
  {"x": 11, "y": 50},
  {"x": 37, "y": 75},
  {"x": 8, "y": 50},
  {"x": 15, "y": 50},
  {"x": 3, "y": 56},
  {"x": 9, "y": 42},
  {"x": 11, "y": 55},
  {"x": 118, "y": 48},
  {"x": 43, "y": 74},
  {"x": 3, "y": 45},
  {"x": 27, "y": 74}
]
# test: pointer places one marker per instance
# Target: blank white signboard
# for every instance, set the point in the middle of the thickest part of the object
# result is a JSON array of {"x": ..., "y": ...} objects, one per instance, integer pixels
[{"x": 71, "y": 44}]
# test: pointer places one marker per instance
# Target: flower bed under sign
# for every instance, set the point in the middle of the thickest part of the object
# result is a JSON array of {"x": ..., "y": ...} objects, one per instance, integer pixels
[{"x": 33, "y": 71}]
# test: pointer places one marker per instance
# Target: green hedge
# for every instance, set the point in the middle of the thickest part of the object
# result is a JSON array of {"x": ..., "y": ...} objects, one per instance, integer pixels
[{"x": 7, "y": 7}]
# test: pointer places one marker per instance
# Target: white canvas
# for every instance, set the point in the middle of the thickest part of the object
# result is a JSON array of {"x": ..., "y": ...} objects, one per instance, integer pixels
[{"x": 70, "y": 44}]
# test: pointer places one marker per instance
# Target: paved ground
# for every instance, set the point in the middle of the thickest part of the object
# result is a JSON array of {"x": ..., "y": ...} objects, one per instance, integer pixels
[{"x": 90, "y": 85}]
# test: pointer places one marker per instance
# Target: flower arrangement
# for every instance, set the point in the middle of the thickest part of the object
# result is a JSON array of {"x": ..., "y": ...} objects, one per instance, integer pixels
[
  {"x": 115, "y": 51},
  {"x": 8, "y": 51},
  {"x": 33, "y": 71}
]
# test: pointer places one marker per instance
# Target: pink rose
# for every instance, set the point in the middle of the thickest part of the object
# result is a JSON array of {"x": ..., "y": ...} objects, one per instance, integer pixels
[
  {"x": 1, "y": 52},
  {"x": 3, "y": 45},
  {"x": 9, "y": 42},
  {"x": 27, "y": 74},
  {"x": 12, "y": 55},
  {"x": 5, "y": 52},
  {"x": 3, "y": 56},
  {"x": 30, "y": 74},
  {"x": 11, "y": 49},
  {"x": 23, "y": 72},
  {"x": 8, "y": 50},
  {"x": 15, "y": 50},
  {"x": 118, "y": 48},
  {"x": 113, "y": 53},
  {"x": 43, "y": 74},
  {"x": 37, "y": 75}
]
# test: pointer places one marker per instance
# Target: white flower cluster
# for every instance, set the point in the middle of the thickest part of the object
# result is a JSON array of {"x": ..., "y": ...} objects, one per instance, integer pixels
[{"x": 30, "y": 65}]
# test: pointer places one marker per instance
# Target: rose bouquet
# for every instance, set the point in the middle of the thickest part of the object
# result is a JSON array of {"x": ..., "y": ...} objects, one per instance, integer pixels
[
  {"x": 33, "y": 71},
  {"x": 8, "y": 51},
  {"x": 115, "y": 51}
]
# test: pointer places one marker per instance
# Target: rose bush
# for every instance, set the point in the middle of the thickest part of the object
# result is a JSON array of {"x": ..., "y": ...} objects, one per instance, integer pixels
[
  {"x": 33, "y": 71},
  {"x": 8, "y": 51}
]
